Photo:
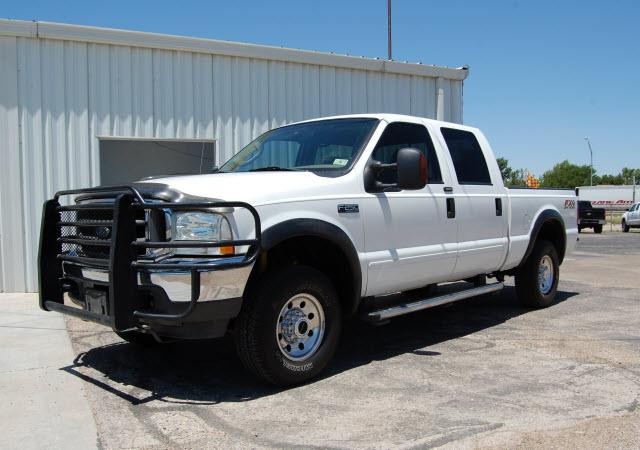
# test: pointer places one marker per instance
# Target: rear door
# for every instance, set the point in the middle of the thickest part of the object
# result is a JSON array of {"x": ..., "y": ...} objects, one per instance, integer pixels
[
  {"x": 409, "y": 240},
  {"x": 481, "y": 203}
]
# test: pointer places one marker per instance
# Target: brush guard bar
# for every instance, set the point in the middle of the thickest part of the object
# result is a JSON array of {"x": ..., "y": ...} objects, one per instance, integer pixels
[{"x": 123, "y": 265}]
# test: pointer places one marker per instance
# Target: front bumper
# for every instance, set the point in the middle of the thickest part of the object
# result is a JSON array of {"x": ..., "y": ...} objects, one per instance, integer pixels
[{"x": 185, "y": 297}]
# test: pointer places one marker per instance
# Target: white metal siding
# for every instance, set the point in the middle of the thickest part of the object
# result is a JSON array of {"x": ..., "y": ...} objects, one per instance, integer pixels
[{"x": 58, "y": 96}]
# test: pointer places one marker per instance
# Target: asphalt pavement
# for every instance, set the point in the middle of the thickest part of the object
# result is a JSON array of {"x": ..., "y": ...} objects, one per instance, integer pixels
[{"x": 482, "y": 373}]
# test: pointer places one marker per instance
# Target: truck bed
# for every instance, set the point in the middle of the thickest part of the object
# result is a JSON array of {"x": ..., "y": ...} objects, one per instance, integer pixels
[{"x": 524, "y": 207}]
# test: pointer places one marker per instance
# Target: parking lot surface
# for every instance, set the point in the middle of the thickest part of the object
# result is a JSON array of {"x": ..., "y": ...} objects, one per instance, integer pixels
[{"x": 481, "y": 373}]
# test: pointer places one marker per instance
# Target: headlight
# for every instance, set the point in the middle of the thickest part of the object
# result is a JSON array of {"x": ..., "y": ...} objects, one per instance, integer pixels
[{"x": 202, "y": 226}]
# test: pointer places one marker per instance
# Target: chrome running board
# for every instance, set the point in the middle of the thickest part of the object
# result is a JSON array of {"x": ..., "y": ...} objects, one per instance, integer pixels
[{"x": 407, "y": 308}]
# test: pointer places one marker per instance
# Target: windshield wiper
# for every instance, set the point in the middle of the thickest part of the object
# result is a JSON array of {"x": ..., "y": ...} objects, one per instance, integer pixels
[{"x": 272, "y": 169}]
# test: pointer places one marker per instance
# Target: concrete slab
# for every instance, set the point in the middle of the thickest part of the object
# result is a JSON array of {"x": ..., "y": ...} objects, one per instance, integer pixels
[
  {"x": 482, "y": 373},
  {"x": 41, "y": 405}
]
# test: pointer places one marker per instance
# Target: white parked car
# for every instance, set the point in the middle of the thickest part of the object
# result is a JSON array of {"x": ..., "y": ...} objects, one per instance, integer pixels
[
  {"x": 307, "y": 225},
  {"x": 631, "y": 218}
]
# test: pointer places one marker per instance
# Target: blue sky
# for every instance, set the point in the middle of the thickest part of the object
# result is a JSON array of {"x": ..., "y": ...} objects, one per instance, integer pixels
[{"x": 544, "y": 74}]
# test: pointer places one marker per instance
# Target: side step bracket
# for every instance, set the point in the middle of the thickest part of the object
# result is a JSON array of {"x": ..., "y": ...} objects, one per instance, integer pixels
[{"x": 407, "y": 308}]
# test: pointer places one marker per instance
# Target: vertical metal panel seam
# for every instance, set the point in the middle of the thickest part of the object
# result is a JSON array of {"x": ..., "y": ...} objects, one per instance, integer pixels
[
  {"x": 89, "y": 121},
  {"x": 133, "y": 95},
  {"x": 174, "y": 122},
  {"x": 46, "y": 173},
  {"x": 66, "y": 115},
  {"x": 23, "y": 185},
  {"x": 87, "y": 131},
  {"x": 216, "y": 146},
  {"x": 153, "y": 90},
  {"x": 194, "y": 113}
]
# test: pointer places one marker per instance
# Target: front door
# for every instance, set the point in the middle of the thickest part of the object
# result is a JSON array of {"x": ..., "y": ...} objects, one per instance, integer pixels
[{"x": 409, "y": 240}]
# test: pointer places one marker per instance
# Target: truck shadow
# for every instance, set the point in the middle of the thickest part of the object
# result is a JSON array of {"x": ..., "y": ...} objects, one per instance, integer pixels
[{"x": 208, "y": 372}]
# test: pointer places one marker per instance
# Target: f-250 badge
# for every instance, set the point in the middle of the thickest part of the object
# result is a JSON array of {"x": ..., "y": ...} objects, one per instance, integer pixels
[
  {"x": 569, "y": 204},
  {"x": 349, "y": 208}
]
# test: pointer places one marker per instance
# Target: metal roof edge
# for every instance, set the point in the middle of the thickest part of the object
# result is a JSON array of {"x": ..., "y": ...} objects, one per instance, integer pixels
[{"x": 111, "y": 36}]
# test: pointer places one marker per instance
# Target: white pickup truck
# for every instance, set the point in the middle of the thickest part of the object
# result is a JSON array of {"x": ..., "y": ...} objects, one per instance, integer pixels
[{"x": 308, "y": 225}]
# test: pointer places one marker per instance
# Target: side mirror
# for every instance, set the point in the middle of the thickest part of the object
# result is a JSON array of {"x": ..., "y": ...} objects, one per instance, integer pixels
[{"x": 412, "y": 169}]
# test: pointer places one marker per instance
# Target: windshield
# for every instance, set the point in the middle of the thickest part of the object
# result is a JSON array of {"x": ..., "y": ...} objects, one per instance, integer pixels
[{"x": 326, "y": 147}]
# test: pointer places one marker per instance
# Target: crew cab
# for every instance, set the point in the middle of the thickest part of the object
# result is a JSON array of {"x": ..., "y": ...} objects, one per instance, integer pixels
[
  {"x": 308, "y": 225},
  {"x": 590, "y": 217}
]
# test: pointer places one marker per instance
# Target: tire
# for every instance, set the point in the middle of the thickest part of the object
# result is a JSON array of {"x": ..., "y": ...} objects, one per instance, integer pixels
[
  {"x": 289, "y": 326},
  {"x": 138, "y": 338},
  {"x": 530, "y": 288},
  {"x": 597, "y": 229},
  {"x": 625, "y": 227},
  {"x": 579, "y": 229}
]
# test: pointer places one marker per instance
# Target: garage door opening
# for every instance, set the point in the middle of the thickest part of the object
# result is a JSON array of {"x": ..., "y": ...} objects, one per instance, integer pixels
[{"x": 125, "y": 160}]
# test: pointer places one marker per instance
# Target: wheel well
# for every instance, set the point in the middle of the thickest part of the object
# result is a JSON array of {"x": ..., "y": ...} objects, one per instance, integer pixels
[
  {"x": 553, "y": 231},
  {"x": 319, "y": 253}
]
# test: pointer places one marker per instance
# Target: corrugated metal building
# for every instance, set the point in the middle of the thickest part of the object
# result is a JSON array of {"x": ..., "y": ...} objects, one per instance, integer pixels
[{"x": 66, "y": 90}]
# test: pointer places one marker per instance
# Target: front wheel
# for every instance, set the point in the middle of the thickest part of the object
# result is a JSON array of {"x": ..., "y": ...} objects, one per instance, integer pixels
[
  {"x": 289, "y": 326},
  {"x": 537, "y": 278},
  {"x": 625, "y": 227},
  {"x": 597, "y": 229}
]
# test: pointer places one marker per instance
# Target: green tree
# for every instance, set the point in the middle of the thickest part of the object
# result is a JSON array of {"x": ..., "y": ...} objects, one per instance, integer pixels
[
  {"x": 627, "y": 175},
  {"x": 611, "y": 179},
  {"x": 505, "y": 170},
  {"x": 567, "y": 175},
  {"x": 511, "y": 177}
]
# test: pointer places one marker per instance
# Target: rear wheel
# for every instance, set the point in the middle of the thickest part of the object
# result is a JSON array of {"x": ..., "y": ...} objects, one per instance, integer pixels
[
  {"x": 625, "y": 227},
  {"x": 289, "y": 326},
  {"x": 597, "y": 229},
  {"x": 537, "y": 278}
]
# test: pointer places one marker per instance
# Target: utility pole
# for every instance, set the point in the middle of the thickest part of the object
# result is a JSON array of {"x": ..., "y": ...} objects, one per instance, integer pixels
[
  {"x": 590, "y": 153},
  {"x": 389, "y": 29}
]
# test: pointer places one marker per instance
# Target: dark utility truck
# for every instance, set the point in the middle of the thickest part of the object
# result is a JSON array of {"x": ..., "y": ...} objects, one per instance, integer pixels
[{"x": 590, "y": 217}]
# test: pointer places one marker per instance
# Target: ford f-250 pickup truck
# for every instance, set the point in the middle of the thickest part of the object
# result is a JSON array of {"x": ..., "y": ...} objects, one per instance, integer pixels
[{"x": 307, "y": 225}]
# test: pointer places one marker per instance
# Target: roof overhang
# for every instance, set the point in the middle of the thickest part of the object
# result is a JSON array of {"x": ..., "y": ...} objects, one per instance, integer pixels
[{"x": 81, "y": 33}]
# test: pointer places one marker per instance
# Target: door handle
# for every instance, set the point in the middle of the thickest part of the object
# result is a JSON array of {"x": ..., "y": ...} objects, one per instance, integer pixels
[
  {"x": 447, "y": 189},
  {"x": 498, "y": 207},
  {"x": 451, "y": 208}
]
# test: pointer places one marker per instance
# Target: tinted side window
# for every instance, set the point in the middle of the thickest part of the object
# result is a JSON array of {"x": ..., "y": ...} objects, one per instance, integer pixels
[
  {"x": 468, "y": 160},
  {"x": 399, "y": 135}
]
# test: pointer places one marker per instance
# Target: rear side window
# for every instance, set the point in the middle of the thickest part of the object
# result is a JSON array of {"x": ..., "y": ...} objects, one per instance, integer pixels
[
  {"x": 399, "y": 135},
  {"x": 467, "y": 156}
]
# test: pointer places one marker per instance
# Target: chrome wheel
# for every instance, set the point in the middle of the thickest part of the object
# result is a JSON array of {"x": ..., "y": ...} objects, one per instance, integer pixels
[
  {"x": 545, "y": 274},
  {"x": 300, "y": 327}
]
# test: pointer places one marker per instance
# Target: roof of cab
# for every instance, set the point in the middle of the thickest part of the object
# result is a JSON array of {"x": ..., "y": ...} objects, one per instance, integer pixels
[{"x": 392, "y": 117}]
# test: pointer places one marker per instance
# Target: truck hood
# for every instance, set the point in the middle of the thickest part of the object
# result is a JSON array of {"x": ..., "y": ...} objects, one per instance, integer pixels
[{"x": 253, "y": 187}]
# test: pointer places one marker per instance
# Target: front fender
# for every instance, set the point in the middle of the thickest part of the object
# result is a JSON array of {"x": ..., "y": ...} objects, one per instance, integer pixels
[{"x": 292, "y": 228}]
